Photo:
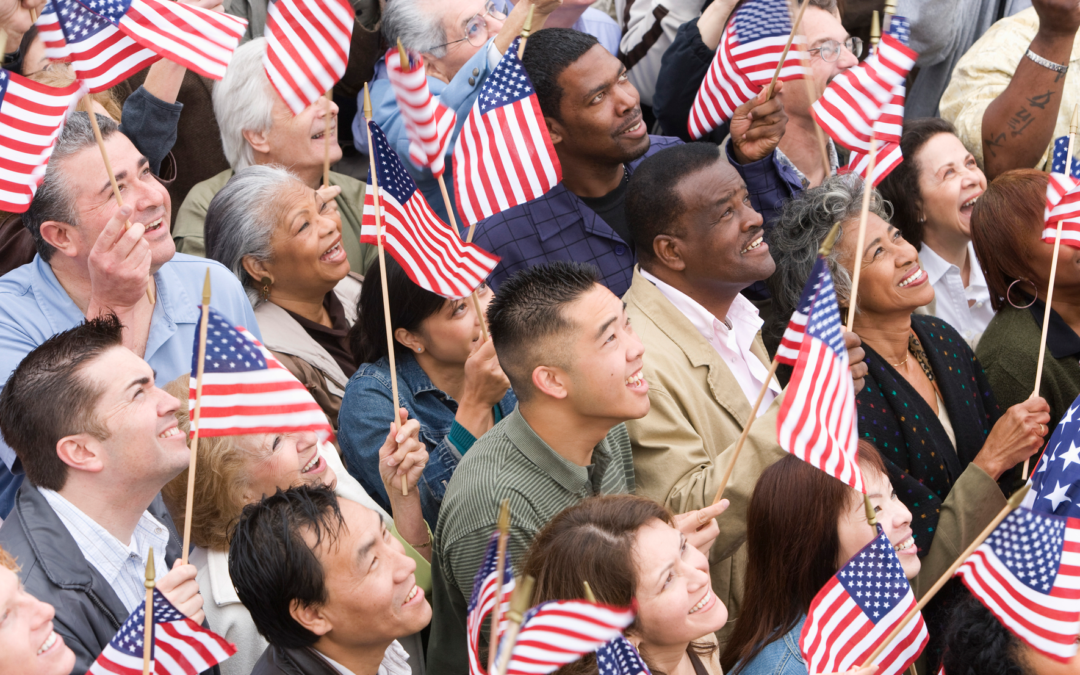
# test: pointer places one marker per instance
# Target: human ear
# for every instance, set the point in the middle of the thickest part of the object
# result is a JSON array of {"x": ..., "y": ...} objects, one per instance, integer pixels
[
  {"x": 666, "y": 250},
  {"x": 257, "y": 269},
  {"x": 257, "y": 140},
  {"x": 82, "y": 452},
  {"x": 554, "y": 130},
  {"x": 550, "y": 381},
  {"x": 310, "y": 617},
  {"x": 409, "y": 340},
  {"x": 59, "y": 236}
]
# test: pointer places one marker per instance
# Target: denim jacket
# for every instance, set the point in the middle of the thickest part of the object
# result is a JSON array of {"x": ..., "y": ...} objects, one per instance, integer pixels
[
  {"x": 780, "y": 657},
  {"x": 367, "y": 410}
]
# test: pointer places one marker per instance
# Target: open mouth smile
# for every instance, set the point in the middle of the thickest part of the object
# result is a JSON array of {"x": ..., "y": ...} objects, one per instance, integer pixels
[
  {"x": 754, "y": 244},
  {"x": 914, "y": 276}
]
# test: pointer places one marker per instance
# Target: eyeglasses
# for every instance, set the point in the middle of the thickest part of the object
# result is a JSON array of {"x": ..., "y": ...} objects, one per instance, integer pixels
[
  {"x": 476, "y": 29},
  {"x": 830, "y": 49}
]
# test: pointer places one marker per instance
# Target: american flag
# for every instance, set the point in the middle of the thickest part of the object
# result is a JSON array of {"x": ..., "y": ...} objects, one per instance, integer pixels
[
  {"x": 859, "y": 607},
  {"x": 1057, "y": 158},
  {"x": 307, "y": 48},
  {"x": 246, "y": 390},
  {"x": 1027, "y": 573},
  {"x": 745, "y": 60},
  {"x": 428, "y": 249},
  {"x": 198, "y": 39},
  {"x": 503, "y": 155},
  {"x": 854, "y": 100},
  {"x": 180, "y": 646},
  {"x": 619, "y": 657},
  {"x": 1062, "y": 204},
  {"x": 1055, "y": 484},
  {"x": 428, "y": 123},
  {"x": 817, "y": 418},
  {"x": 482, "y": 600},
  {"x": 559, "y": 632},
  {"x": 101, "y": 55},
  {"x": 31, "y": 118}
]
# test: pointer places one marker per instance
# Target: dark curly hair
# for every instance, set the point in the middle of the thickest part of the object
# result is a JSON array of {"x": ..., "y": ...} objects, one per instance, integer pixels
[{"x": 977, "y": 644}]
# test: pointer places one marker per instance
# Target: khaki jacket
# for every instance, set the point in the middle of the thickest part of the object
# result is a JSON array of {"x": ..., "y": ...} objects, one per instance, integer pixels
[{"x": 305, "y": 358}]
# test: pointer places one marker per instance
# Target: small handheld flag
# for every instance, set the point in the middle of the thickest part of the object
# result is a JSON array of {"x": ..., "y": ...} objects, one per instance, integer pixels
[
  {"x": 307, "y": 48},
  {"x": 559, "y": 632},
  {"x": 428, "y": 123},
  {"x": 482, "y": 601},
  {"x": 619, "y": 657},
  {"x": 1062, "y": 204}
]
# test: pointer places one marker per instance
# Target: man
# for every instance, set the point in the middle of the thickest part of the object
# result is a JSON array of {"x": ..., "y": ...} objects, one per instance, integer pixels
[
  {"x": 326, "y": 584},
  {"x": 98, "y": 440},
  {"x": 89, "y": 264},
  {"x": 700, "y": 244},
  {"x": 566, "y": 345},
  {"x": 1009, "y": 98}
]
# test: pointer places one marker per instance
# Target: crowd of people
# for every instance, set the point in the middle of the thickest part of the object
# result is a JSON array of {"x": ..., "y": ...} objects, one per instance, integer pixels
[{"x": 598, "y": 382}]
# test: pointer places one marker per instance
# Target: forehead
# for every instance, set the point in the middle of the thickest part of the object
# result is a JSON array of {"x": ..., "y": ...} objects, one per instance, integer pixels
[
  {"x": 86, "y": 170},
  {"x": 939, "y": 149},
  {"x": 709, "y": 184},
  {"x": 594, "y": 68},
  {"x": 593, "y": 309},
  {"x": 817, "y": 24},
  {"x": 115, "y": 369},
  {"x": 455, "y": 11}
]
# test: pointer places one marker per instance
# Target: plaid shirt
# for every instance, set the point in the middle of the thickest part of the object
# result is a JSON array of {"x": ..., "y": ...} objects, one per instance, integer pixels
[{"x": 559, "y": 226}]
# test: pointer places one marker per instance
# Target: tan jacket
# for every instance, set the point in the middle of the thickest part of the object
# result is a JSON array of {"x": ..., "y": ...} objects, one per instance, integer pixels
[
  {"x": 684, "y": 445},
  {"x": 305, "y": 358}
]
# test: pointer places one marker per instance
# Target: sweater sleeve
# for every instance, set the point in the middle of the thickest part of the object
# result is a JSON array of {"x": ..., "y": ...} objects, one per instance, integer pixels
[{"x": 150, "y": 124}]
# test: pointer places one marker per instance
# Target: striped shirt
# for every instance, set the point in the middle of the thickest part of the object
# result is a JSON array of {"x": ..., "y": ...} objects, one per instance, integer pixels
[
  {"x": 508, "y": 462},
  {"x": 123, "y": 566}
]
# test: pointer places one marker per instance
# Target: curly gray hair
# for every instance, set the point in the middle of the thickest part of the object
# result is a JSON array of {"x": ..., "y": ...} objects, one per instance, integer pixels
[{"x": 799, "y": 231}]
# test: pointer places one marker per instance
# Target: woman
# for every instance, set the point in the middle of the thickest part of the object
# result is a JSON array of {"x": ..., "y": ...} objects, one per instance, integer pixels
[
  {"x": 1007, "y": 230},
  {"x": 234, "y": 471},
  {"x": 933, "y": 193},
  {"x": 447, "y": 379},
  {"x": 803, "y": 525},
  {"x": 28, "y": 643},
  {"x": 282, "y": 239},
  {"x": 926, "y": 403}
]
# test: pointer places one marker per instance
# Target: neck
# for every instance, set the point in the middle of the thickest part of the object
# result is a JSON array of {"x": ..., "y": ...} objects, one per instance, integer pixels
[
  {"x": 1066, "y": 303},
  {"x": 310, "y": 306},
  {"x": 671, "y": 659},
  {"x": 887, "y": 334},
  {"x": 565, "y": 17},
  {"x": 952, "y": 249},
  {"x": 449, "y": 377},
  {"x": 557, "y": 423},
  {"x": 111, "y": 504},
  {"x": 801, "y": 146},
  {"x": 360, "y": 660},
  {"x": 715, "y": 296},
  {"x": 586, "y": 178}
]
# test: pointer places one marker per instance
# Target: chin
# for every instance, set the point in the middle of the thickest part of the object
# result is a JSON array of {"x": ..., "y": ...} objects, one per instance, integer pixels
[{"x": 911, "y": 567}]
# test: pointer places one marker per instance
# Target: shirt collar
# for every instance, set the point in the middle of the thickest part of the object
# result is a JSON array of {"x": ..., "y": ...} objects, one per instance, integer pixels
[
  {"x": 570, "y": 476},
  {"x": 395, "y": 662},
  {"x": 936, "y": 267},
  {"x": 834, "y": 163},
  {"x": 1061, "y": 340},
  {"x": 743, "y": 315}
]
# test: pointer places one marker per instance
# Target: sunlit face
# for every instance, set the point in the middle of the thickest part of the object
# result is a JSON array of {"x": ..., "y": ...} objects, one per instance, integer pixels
[
  {"x": 452, "y": 334},
  {"x": 676, "y": 603},
  {"x": 895, "y": 519},
  {"x": 28, "y": 643},
  {"x": 282, "y": 460},
  {"x": 892, "y": 279},
  {"x": 949, "y": 183},
  {"x": 296, "y": 141},
  {"x": 818, "y": 26}
]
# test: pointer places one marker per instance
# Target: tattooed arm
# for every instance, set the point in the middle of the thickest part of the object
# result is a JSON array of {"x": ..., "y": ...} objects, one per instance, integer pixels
[{"x": 1019, "y": 124}]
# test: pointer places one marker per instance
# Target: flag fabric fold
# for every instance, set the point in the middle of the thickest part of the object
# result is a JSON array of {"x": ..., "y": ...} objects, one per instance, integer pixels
[
  {"x": 503, "y": 156},
  {"x": 1055, "y": 483},
  {"x": 429, "y": 250},
  {"x": 307, "y": 48},
  {"x": 1062, "y": 204},
  {"x": 482, "y": 600},
  {"x": 32, "y": 115},
  {"x": 246, "y": 390},
  {"x": 859, "y": 607},
  {"x": 428, "y": 123},
  {"x": 180, "y": 646},
  {"x": 745, "y": 61},
  {"x": 562, "y": 631},
  {"x": 619, "y": 657}
]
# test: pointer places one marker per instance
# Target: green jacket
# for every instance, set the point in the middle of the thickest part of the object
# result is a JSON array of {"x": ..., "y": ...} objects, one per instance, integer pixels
[{"x": 187, "y": 230}]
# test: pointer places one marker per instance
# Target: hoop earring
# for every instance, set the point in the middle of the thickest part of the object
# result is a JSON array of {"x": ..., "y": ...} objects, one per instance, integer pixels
[{"x": 1008, "y": 291}]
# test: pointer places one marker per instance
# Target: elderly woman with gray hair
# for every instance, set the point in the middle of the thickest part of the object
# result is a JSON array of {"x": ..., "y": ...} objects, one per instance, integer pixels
[
  {"x": 927, "y": 404},
  {"x": 283, "y": 240}
]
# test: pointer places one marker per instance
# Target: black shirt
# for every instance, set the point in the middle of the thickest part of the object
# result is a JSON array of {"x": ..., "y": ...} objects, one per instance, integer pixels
[
  {"x": 612, "y": 210},
  {"x": 334, "y": 340}
]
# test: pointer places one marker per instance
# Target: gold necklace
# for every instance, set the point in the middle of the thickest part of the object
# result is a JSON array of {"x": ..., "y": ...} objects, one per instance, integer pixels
[{"x": 897, "y": 365}]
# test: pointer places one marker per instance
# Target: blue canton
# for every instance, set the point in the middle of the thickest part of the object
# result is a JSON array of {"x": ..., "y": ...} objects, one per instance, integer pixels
[
  {"x": 900, "y": 28},
  {"x": 507, "y": 84},
  {"x": 78, "y": 22},
  {"x": 4, "y": 79},
  {"x": 227, "y": 349},
  {"x": 393, "y": 178},
  {"x": 1030, "y": 545},
  {"x": 112, "y": 10},
  {"x": 1055, "y": 482},
  {"x": 760, "y": 19},
  {"x": 1057, "y": 160},
  {"x": 874, "y": 578},
  {"x": 486, "y": 569},
  {"x": 823, "y": 315},
  {"x": 619, "y": 657},
  {"x": 129, "y": 639}
]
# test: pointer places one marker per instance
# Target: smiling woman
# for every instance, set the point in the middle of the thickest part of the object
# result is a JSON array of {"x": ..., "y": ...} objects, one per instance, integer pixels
[{"x": 28, "y": 643}]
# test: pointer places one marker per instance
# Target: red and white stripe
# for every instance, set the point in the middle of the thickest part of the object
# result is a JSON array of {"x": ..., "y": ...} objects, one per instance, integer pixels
[
  {"x": 307, "y": 48},
  {"x": 854, "y": 100},
  {"x": 560, "y": 632},
  {"x": 428, "y": 123},
  {"x": 198, "y": 39},
  {"x": 32, "y": 115},
  {"x": 888, "y": 158},
  {"x": 1062, "y": 204},
  {"x": 791, "y": 342}
]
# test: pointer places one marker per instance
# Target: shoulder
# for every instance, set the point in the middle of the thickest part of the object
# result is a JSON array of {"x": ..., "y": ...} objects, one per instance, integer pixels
[
  {"x": 780, "y": 657},
  {"x": 937, "y": 335},
  {"x": 495, "y": 225},
  {"x": 658, "y": 143},
  {"x": 202, "y": 193},
  {"x": 369, "y": 377},
  {"x": 192, "y": 273},
  {"x": 20, "y": 280},
  {"x": 351, "y": 188}
]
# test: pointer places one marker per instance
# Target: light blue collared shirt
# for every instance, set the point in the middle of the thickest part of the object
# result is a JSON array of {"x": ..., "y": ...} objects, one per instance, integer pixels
[{"x": 34, "y": 307}]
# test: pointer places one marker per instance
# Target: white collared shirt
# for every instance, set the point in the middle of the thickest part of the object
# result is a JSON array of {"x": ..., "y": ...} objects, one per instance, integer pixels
[
  {"x": 122, "y": 565},
  {"x": 732, "y": 345},
  {"x": 395, "y": 662},
  {"x": 952, "y": 298}
]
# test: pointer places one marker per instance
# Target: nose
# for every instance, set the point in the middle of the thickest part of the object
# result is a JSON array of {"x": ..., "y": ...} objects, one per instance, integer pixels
[
  {"x": 627, "y": 98},
  {"x": 42, "y": 612},
  {"x": 751, "y": 219},
  {"x": 493, "y": 26},
  {"x": 847, "y": 59},
  {"x": 168, "y": 405},
  {"x": 148, "y": 196},
  {"x": 404, "y": 568},
  {"x": 306, "y": 441},
  {"x": 635, "y": 349},
  {"x": 322, "y": 107}
]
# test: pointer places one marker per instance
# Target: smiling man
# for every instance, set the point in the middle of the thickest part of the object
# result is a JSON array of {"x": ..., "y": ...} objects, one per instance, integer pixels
[
  {"x": 89, "y": 264},
  {"x": 98, "y": 440},
  {"x": 593, "y": 115}
]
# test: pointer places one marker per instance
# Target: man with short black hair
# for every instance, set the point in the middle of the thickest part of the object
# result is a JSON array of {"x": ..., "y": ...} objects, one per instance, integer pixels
[
  {"x": 326, "y": 584},
  {"x": 98, "y": 440}
]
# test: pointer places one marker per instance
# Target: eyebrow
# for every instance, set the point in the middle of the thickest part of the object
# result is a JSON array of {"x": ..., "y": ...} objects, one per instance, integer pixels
[
  {"x": 365, "y": 548},
  {"x": 143, "y": 161},
  {"x": 601, "y": 87},
  {"x": 141, "y": 382},
  {"x": 607, "y": 324}
]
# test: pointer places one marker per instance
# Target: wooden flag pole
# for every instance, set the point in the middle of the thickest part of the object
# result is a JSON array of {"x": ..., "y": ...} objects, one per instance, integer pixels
[
  {"x": 864, "y": 214},
  {"x": 519, "y": 604},
  {"x": 783, "y": 55},
  {"x": 1014, "y": 502},
  {"x": 500, "y": 569},
  {"x": 194, "y": 415},
  {"x": 148, "y": 625},
  {"x": 33, "y": 18},
  {"x": 326, "y": 140},
  {"x": 374, "y": 180},
  {"x": 589, "y": 595},
  {"x": 826, "y": 248},
  {"x": 3, "y": 41},
  {"x": 1053, "y": 273},
  {"x": 525, "y": 31},
  {"x": 88, "y": 104}
]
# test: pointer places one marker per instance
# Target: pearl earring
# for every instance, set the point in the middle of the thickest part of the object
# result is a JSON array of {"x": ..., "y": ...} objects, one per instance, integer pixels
[{"x": 419, "y": 349}]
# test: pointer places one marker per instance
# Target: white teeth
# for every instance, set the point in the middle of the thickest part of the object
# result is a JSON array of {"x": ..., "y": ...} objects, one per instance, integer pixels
[
  {"x": 49, "y": 641},
  {"x": 169, "y": 433},
  {"x": 701, "y": 603},
  {"x": 310, "y": 465},
  {"x": 332, "y": 250},
  {"x": 635, "y": 379},
  {"x": 971, "y": 203},
  {"x": 754, "y": 244},
  {"x": 906, "y": 544},
  {"x": 910, "y": 279},
  {"x": 411, "y": 595},
  {"x": 153, "y": 225}
]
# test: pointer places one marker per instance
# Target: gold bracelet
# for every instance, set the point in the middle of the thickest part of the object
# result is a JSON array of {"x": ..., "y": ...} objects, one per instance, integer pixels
[{"x": 426, "y": 544}]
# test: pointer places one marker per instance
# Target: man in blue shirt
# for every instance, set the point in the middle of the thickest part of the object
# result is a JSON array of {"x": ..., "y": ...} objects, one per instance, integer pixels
[{"x": 90, "y": 264}]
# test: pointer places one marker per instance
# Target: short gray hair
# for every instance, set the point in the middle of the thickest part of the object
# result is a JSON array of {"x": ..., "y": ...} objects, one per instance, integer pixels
[
  {"x": 416, "y": 25},
  {"x": 801, "y": 228},
  {"x": 54, "y": 199},
  {"x": 243, "y": 101},
  {"x": 241, "y": 219}
]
